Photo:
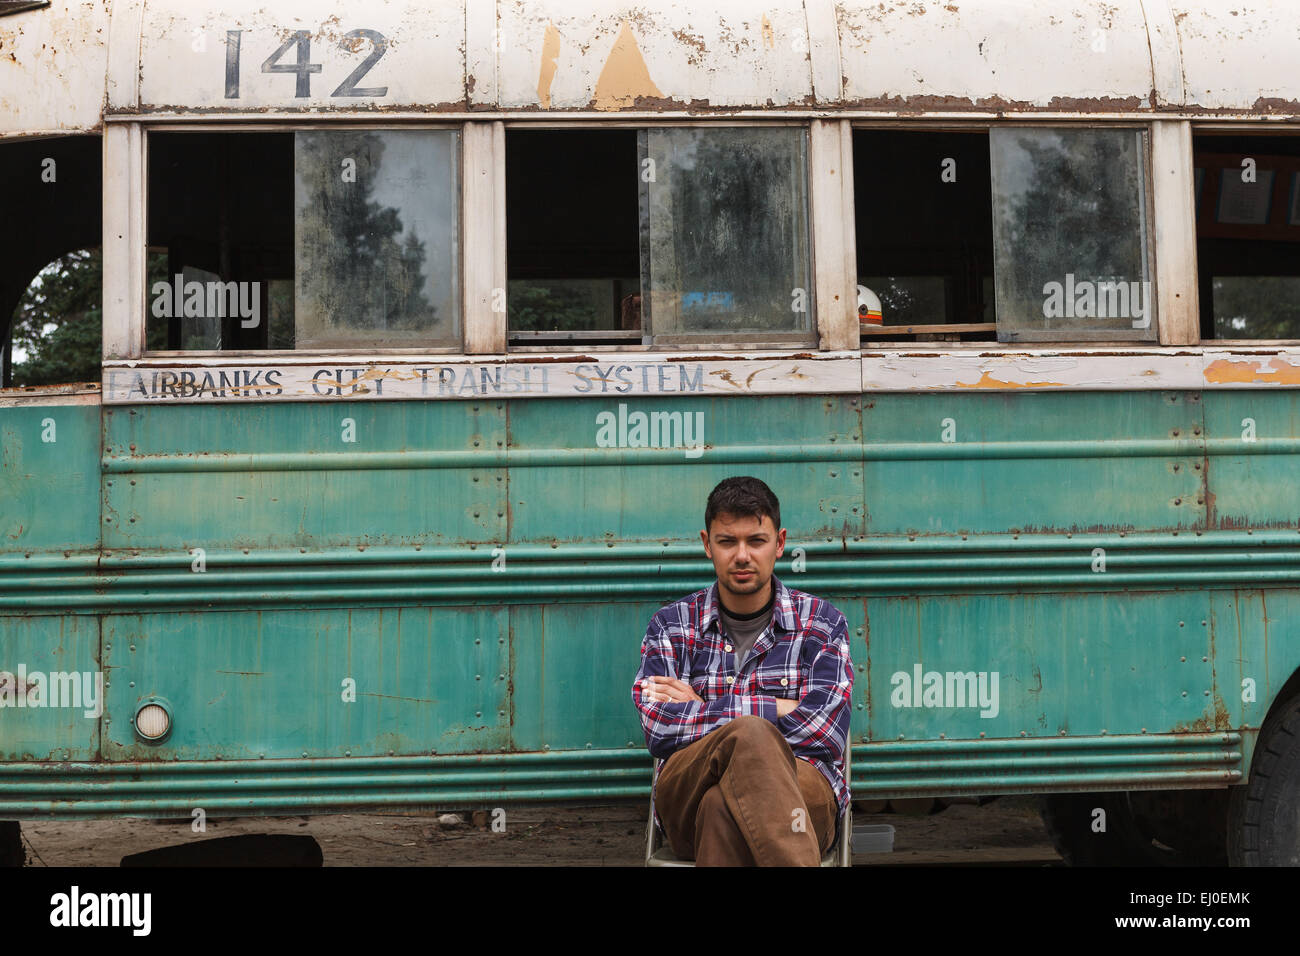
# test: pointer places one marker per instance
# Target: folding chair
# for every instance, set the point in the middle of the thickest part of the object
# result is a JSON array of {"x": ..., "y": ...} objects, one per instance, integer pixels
[{"x": 659, "y": 853}]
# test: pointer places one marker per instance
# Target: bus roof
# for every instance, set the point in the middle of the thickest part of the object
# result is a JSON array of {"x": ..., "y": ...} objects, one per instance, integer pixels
[{"x": 65, "y": 64}]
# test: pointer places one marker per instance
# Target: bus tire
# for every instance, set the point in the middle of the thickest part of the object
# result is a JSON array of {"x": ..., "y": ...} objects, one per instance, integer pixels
[
  {"x": 1072, "y": 819},
  {"x": 11, "y": 844},
  {"x": 1263, "y": 820}
]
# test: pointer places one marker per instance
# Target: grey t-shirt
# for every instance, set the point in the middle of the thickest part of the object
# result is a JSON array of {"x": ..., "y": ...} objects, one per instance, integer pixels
[{"x": 742, "y": 632}]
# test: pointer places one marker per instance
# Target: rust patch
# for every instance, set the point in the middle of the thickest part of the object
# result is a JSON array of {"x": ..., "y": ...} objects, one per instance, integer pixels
[
  {"x": 1222, "y": 720},
  {"x": 923, "y": 103},
  {"x": 769, "y": 38},
  {"x": 725, "y": 375},
  {"x": 988, "y": 381},
  {"x": 695, "y": 42},
  {"x": 625, "y": 78},
  {"x": 550, "y": 51},
  {"x": 1274, "y": 104},
  {"x": 1224, "y": 372}
]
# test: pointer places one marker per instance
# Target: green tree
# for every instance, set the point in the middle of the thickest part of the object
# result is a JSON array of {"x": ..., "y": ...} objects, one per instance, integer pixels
[{"x": 59, "y": 322}]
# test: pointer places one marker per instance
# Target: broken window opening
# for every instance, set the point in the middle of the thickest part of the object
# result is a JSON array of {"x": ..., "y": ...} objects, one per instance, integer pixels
[
  {"x": 51, "y": 327},
  {"x": 1247, "y": 195},
  {"x": 924, "y": 226}
]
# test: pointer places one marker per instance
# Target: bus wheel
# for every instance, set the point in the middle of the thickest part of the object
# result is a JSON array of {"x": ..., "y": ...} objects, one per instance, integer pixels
[
  {"x": 1139, "y": 828},
  {"x": 1264, "y": 816},
  {"x": 11, "y": 844}
]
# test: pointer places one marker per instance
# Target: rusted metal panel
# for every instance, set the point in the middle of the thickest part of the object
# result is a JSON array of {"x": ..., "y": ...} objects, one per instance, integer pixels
[
  {"x": 543, "y": 55},
  {"x": 967, "y": 463},
  {"x": 57, "y": 63},
  {"x": 965, "y": 666},
  {"x": 333, "y": 55},
  {"x": 49, "y": 476},
  {"x": 992, "y": 537},
  {"x": 158, "y": 459},
  {"x": 1239, "y": 57},
  {"x": 1084, "y": 56},
  {"x": 609, "y": 55},
  {"x": 317, "y": 683},
  {"x": 809, "y": 449},
  {"x": 53, "y": 63},
  {"x": 51, "y": 687}
]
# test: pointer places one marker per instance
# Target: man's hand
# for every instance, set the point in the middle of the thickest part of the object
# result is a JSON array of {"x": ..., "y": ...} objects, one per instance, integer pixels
[
  {"x": 669, "y": 690},
  {"x": 784, "y": 706}
]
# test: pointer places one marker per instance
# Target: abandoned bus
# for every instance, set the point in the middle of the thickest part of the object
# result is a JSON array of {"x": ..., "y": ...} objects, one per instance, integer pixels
[{"x": 366, "y": 370}]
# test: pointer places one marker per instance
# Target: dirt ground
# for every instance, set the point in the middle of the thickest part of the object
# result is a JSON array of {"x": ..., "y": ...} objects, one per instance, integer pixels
[{"x": 1006, "y": 831}]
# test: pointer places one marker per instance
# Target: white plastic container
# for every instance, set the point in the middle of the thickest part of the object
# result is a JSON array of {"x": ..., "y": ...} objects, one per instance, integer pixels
[{"x": 873, "y": 838}]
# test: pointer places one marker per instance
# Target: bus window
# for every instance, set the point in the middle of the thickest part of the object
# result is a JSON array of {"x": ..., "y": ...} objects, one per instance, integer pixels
[
  {"x": 666, "y": 236},
  {"x": 51, "y": 331},
  {"x": 573, "y": 267},
  {"x": 725, "y": 251},
  {"x": 924, "y": 223},
  {"x": 1071, "y": 238},
  {"x": 1248, "y": 236},
  {"x": 308, "y": 240}
]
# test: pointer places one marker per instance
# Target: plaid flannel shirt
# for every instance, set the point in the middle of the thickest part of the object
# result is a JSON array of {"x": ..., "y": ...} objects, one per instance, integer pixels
[{"x": 803, "y": 655}]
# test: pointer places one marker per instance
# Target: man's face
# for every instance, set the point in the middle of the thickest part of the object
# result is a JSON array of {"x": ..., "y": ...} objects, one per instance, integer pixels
[{"x": 744, "y": 551}]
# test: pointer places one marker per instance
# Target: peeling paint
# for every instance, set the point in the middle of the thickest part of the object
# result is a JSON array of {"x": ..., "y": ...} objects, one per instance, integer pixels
[
  {"x": 550, "y": 51},
  {"x": 988, "y": 381},
  {"x": 625, "y": 78},
  {"x": 1224, "y": 372}
]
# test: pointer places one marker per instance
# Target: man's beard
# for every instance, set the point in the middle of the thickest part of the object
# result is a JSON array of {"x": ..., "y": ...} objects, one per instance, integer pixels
[{"x": 756, "y": 584}]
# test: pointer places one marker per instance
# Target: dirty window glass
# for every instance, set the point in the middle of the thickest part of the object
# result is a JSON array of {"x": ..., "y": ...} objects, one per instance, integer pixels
[
  {"x": 724, "y": 234},
  {"x": 1071, "y": 244},
  {"x": 375, "y": 220}
]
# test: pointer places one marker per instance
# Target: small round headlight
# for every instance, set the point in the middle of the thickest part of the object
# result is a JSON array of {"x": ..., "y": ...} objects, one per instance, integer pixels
[{"x": 153, "y": 721}]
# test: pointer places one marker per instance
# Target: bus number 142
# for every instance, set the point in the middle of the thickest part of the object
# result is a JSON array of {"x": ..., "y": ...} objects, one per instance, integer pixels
[{"x": 303, "y": 68}]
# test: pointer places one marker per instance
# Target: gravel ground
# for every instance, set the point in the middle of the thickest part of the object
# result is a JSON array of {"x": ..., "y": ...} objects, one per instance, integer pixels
[{"x": 1006, "y": 831}]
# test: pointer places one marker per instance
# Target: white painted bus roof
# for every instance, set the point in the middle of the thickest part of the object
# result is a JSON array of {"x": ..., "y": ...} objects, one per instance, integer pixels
[{"x": 63, "y": 66}]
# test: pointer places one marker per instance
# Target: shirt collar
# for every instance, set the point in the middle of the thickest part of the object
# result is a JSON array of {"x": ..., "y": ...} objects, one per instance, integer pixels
[{"x": 782, "y": 607}]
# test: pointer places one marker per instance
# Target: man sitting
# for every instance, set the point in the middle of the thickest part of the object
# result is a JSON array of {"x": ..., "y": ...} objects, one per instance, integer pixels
[{"x": 745, "y": 688}]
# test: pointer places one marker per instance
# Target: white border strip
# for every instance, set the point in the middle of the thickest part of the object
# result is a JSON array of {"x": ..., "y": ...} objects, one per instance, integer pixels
[
  {"x": 1059, "y": 370},
  {"x": 611, "y": 374},
  {"x": 460, "y": 377}
]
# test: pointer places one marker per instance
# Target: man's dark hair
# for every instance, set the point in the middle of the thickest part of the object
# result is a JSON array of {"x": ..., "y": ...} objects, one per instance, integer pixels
[{"x": 743, "y": 497}]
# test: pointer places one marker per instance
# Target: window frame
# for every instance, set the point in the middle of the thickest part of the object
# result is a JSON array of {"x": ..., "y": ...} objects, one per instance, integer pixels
[
  {"x": 1171, "y": 250},
  {"x": 1251, "y": 127},
  {"x": 126, "y": 167},
  {"x": 482, "y": 235},
  {"x": 1047, "y": 337},
  {"x": 829, "y": 150},
  {"x": 1170, "y": 199}
]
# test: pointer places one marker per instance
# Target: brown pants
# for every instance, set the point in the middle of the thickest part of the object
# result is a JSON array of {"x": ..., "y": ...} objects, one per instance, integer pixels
[{"x": 740, "y": 797}]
